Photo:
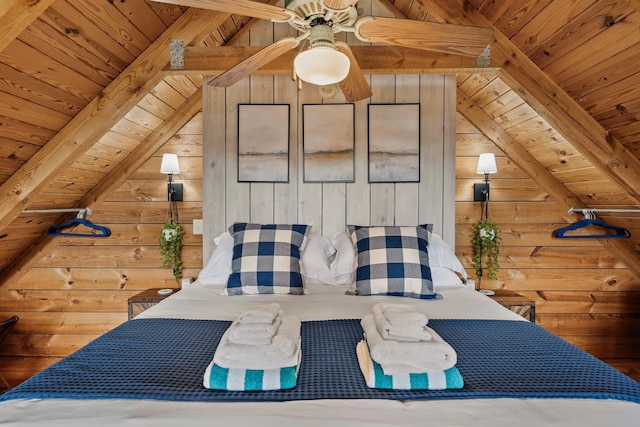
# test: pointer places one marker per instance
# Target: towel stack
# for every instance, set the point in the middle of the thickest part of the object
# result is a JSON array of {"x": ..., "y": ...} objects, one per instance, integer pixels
[
  {"x": 259, "y": 351},
  {"x": 402, "y": 352}
]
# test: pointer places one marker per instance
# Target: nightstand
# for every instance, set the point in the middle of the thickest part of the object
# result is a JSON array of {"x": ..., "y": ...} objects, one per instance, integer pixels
[
  {"x": 516, "y": 303},
  {"x": 144, "y": 300}
]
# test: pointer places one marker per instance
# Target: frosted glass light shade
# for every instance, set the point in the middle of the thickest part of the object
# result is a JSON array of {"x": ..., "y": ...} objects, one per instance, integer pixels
[
  {"x": 170, "y": 164},
  {"x": 321, "y": 65},
  {"x": 487, "y": 164}
]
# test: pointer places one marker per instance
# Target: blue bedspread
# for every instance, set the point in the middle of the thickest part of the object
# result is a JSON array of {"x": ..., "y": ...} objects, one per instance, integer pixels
[{"x": 164, "y": 359}]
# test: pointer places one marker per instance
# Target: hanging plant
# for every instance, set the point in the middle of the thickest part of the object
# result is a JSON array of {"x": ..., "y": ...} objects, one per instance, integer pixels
[
  {"x": 171, "y": 246},
  {"x": 486, "y": 244}
]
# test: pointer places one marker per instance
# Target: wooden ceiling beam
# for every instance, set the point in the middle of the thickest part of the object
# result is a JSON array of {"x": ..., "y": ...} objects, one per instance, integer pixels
[
  {"x": 16, "y": 15},
  {"x": 392, "y": 9},
  {"x": 372, "y": 60},
  {"x": 561, "y": 111},
  {"x": 101, "y": 114},
  {"x": 564, "y": 197},
  {"x": 93, "y": 199}
]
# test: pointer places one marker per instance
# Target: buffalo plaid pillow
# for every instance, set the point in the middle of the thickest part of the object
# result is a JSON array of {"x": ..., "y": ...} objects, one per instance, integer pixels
[
  {"x": 393, "y": 261},
  {"x": 266, "y": 259}
]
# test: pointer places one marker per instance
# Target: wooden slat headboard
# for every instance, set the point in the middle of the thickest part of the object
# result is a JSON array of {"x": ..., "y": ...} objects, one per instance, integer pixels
[{"x": 330, "y": 206}]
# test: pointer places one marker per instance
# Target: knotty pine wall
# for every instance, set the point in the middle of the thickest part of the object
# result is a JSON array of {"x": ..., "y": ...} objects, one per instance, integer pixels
[
  {"x": 80, "y": 290},
  {"x": 582, "y": 292}
]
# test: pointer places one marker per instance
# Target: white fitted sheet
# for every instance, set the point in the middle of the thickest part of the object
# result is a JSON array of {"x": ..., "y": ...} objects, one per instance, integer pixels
[{"x": 322, "y": 303}]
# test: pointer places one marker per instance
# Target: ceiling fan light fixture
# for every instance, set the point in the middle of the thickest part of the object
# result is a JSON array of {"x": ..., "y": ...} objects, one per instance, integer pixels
[{"x": 322, "y": 65}]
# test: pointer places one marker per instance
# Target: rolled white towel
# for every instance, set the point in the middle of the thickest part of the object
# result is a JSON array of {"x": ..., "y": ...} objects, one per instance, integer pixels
[
  {"x": 410, "y": 332},
  {"x": 401, "y": 314},
  {"x": 254, "y": 333},
  {"x": 260, "y": 314},
  {"x": 280, "y": 352},
  {"x": 396, "y": 357}
]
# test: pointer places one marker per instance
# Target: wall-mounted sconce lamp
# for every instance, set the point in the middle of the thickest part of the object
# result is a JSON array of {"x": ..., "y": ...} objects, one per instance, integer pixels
[
  {"x": 170, "y": 166},
  {"x": 486, "y": 166}
]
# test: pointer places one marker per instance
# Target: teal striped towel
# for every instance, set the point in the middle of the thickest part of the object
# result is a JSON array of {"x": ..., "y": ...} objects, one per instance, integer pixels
[
  {"x": 429, "y": 380},
  {"x": 218, "y": 378}
]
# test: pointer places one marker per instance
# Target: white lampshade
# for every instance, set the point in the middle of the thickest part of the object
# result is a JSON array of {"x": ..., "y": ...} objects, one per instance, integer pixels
[
  {"x": 170, "y": 164},
  {"x": 487, "y": 164},
  {"x": 321, "y": 65}
]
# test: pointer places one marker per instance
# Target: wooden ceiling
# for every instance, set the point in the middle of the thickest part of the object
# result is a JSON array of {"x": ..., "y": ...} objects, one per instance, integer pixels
[{"x": 82, "y": 87}]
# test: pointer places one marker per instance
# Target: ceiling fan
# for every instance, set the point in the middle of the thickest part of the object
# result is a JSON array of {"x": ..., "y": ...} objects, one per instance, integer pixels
[{"x": 326, "y": 61}]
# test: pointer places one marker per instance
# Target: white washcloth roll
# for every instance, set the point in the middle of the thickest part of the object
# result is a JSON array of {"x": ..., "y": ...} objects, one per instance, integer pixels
[
  {"x": 401, "y": 314},
  {"x": 260, "y": 314},
  {"x": 280, "y": 352},
  {"x": 396, "y": 357},
  {"x": 398, "y": 332},
  {"x": 254, "y": 333}
]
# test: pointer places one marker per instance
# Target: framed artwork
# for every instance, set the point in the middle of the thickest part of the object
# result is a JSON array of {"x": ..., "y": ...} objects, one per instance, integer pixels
[
  {"x": 328, "y": 143},
  {"x": 394, "y": 142},
  {"x": 263, "y": 143}
]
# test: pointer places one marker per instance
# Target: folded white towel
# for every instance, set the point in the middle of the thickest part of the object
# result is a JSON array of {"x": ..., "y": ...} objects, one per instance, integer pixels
[
  {"x": 429, "y": 380},
  {"x": 219, "y": 378},
  {"x": 400, "y": 333},
  {"x": 280, "y": 352},
  {"x": 260, "y": 314},
  {"x": 398, "y": 357},
  {"x": 401, "y": 314},
  {"x": 253, "y": 333}
]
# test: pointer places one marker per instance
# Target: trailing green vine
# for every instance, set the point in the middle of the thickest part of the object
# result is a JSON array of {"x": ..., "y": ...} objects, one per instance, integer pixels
[
  {"x": 171, "y": 246},
  {"x": 486, "y": 244}
]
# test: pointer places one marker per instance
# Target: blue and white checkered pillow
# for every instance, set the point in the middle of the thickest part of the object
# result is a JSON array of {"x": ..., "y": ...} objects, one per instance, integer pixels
[
  {"x": 266, "y": 259},
  {"x": 393, "y": 261}
]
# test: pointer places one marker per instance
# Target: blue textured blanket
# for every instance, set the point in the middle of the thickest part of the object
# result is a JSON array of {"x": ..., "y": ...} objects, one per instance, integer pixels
[{"x": 164, "y": 359}]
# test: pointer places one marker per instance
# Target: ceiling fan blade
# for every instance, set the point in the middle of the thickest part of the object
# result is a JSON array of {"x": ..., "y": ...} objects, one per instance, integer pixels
[
  {"x": 339, "y": 4},
  {"x": 447, "y": 38},
  {"x": 238, "y": 7},
  {"x": 252, "y": 63},
  {"x": 354, "y": 87}
]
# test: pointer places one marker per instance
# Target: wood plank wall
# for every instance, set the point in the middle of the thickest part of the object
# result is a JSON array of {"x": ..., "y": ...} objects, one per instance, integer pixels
[
  {"x": 582, "y": 292},
  {"x": 331, "y": 206},
  {"x": 79, "y": 291}
]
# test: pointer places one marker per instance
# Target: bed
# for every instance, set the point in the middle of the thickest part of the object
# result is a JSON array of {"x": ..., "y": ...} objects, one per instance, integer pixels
[{"x": 121, "y": 385}]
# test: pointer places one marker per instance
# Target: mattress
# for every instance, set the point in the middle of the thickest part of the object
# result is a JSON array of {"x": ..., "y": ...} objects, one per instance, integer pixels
[{"x": 322, "y": 303}]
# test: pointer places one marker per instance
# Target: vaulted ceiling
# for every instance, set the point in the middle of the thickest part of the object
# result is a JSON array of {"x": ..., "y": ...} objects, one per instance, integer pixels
[{"x": 85, "y": 100}]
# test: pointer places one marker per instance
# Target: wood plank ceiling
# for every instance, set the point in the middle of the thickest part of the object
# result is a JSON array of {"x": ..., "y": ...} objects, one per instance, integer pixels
[{"x": 81, "y": 89}]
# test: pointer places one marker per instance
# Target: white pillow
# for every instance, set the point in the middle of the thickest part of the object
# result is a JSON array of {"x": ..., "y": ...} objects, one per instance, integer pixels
[
  {"x": 441, "y": 255},
  {"x": 343, "y": 266},
  {"x": 442, "y": 276},
  {"x": 218, "y": 268},
  {"x": 315, "y": 260}
]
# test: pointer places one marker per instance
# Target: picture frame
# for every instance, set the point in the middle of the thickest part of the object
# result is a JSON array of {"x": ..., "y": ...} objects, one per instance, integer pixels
[
  {"x": 328, "y": 144},
  {"x": 394, "y": 142},
  {"x": 263, "y": 142}
]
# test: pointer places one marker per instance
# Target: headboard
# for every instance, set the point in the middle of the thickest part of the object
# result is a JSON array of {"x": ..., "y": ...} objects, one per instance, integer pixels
[{"x": 330, "y": 206}]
